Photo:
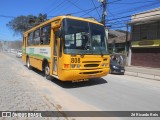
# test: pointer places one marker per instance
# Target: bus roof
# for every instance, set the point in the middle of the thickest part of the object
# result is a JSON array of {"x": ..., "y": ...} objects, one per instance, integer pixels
[{"x": 61, "y": 18}]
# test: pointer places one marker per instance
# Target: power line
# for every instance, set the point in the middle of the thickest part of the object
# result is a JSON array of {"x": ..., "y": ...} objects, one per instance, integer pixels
[
  {"x": 119, "y": 18},
  {"x": 137, "y": 8},
  {"x": 114, "y": 1},
  {"x": 74, "y": 4},
  {"x": 118, "y": 27},
  {"x": 111, "y": 13},
  {"x": 142, "y": 7},
  {"x": 89, "y": 11},
  {"x": 5, "y": 16},
  {"x": 66, "y": 7},
  {"x": 133, "y": 2},
  {"x": 135, "y": 18},
  {"x": 77, "y": 6},
  {"x": 96, "y": 9},
  {"x": 126, "y": 21},
  {"x": 121, "y": 21},
  {"x": 56, "y": 7},
  {"x": 138, "y": 18},
  {"x": 50, "y": 5}
]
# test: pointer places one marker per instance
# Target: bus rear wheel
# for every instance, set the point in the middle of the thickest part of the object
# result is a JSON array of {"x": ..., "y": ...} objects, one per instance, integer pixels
[
  {"x": 47, "y": 72},
  {"x": 28, "y": 63}
]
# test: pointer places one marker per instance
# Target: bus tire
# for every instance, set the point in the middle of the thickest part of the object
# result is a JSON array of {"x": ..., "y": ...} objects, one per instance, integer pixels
[
  {"x": 47, "y": 72},
  {"x": 28, "y": 64}
]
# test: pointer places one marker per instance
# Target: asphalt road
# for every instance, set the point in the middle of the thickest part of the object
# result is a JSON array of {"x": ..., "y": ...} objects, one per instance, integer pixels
[{"x": 110, "y": 93}]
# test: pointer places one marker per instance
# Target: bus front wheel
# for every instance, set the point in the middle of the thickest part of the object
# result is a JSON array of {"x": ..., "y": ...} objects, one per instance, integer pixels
[
  {"x": 47, "y": 72},
  {"x": 28, "y": 63}
]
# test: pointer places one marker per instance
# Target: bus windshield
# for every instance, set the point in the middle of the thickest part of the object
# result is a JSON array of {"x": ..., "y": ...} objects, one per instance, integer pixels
[{"x": 82, "y": 37}]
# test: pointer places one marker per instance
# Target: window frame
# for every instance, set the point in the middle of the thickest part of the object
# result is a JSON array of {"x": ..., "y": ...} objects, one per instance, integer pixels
[
  {"x": 30, "y": 41},
  {"x": 34, "y": 38},
  {"x": 41, "y": 35}
]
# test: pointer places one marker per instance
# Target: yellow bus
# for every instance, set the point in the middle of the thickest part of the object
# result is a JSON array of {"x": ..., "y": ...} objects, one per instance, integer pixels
[{"x": 67, "y": 48}]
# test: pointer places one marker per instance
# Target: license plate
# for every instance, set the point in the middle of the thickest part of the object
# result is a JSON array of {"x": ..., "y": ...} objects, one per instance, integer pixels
[
  {"x": 92, "y": 75},
  {"x": 122, "y": 70}
]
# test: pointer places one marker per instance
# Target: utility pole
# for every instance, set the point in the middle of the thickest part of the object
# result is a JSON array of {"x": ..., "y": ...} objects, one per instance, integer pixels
[
  {"x": 126, "y": 46},
  {"x": 104, "y": 4}
]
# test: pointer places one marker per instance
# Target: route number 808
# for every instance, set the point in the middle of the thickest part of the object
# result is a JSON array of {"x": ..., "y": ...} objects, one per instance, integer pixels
[{"x": 75, "y": 60}]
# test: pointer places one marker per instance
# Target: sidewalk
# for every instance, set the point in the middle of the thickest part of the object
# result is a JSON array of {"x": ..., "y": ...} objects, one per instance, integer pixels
[{"x": 145, "y": 72}]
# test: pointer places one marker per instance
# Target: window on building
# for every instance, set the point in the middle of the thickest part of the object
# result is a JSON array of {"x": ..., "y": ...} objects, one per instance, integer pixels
[
  {"x": 149, "y": 31},
  {"x": 136, "y": 32},
  {"x": 158, "y": 30},
  {"x": 45, "y": 35},
  {"x": 36, "y": 37},
  {"x": 152, "y": 31},
  {"x": 143, "y": 31},
  {"x": 30, "y": 39}
]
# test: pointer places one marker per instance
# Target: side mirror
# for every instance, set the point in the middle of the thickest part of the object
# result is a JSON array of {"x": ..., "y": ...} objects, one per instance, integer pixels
[{"x": 59, "y": 32}]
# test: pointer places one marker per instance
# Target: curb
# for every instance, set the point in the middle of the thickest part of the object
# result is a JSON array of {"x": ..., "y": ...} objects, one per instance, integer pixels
[{"x": 143, "y": 75}]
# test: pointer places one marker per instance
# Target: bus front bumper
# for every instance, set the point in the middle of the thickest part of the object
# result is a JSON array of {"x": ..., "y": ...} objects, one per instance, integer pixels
[{"x": 73, "y": 75}]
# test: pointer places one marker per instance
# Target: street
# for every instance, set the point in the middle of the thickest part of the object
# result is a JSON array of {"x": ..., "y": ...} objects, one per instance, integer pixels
[{"x": 22, "y": 89}]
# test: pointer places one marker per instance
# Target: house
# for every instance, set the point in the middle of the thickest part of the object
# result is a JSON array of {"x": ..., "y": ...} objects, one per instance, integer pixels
[
  {"x": 145, "y": 39},
  {"x": 117, "y": 41}
]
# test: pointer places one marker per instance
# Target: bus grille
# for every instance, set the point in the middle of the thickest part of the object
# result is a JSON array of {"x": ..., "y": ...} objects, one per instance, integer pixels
[
  {"x": 94, "y": 72},
  {"x": 91, "y": 65},
  {"x": 91, "y": 61}
]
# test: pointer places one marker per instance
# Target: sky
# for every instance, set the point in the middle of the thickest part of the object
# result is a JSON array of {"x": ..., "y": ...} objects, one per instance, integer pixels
[{"x": 118, "y": 11}]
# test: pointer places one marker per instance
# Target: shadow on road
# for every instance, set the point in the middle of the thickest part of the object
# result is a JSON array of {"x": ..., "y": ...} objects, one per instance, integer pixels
[
  {"x": 117, "y": 74},
  {"x": 70, "y": 84}
]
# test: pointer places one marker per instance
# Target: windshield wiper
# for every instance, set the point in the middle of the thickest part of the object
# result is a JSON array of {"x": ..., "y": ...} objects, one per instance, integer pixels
[{"x": 100, "y": 50}]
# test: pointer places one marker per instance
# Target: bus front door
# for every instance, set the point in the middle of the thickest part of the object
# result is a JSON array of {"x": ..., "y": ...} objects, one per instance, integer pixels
[{"x": 55, "y": 56}]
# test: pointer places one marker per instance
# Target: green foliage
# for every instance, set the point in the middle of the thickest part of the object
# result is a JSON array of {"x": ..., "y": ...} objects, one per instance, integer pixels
[{"x": 22, "y": 23}]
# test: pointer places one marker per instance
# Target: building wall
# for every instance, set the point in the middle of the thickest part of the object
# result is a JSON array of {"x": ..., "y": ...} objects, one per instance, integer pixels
[
  {"x": 147, "y": 57},
  {"x": 146, "y": 45},
  {"x": 145, "y": 41},
  {"x": 146, "y": 15}
]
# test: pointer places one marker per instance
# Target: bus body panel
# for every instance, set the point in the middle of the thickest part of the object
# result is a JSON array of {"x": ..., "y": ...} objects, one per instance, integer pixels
[
  {"x": 90, "y": 66},
  {"x": 71, "y": 75}
]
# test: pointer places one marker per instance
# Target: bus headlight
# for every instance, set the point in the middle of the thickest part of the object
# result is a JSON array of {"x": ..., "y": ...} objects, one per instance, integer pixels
[
  {"x": 73, "y": 65},
  {"x": 106, "y": 64},
  {"x": 103, "y": 64},
  {"x": 78, "y": 65}
]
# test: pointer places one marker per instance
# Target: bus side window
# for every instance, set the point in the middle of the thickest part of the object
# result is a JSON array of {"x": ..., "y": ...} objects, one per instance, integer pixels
[
  {"x": 36, "y": 37},
  {"x": 30, "y": 39},
  {"x": 45, "y": 35},
  {"x": 23, "y": 41}
]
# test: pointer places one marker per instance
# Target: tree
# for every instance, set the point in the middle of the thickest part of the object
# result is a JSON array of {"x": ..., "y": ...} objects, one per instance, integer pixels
[{"x": 22, "y": 23}]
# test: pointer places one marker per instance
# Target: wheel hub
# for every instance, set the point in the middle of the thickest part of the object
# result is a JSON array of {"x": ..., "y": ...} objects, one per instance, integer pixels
[{"x": 47, "y": 70}]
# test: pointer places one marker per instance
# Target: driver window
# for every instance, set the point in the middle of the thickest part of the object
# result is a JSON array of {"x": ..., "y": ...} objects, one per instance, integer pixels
[
  {"x": 78, "y": 39},
  {"x": 69, "y": 40}
]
